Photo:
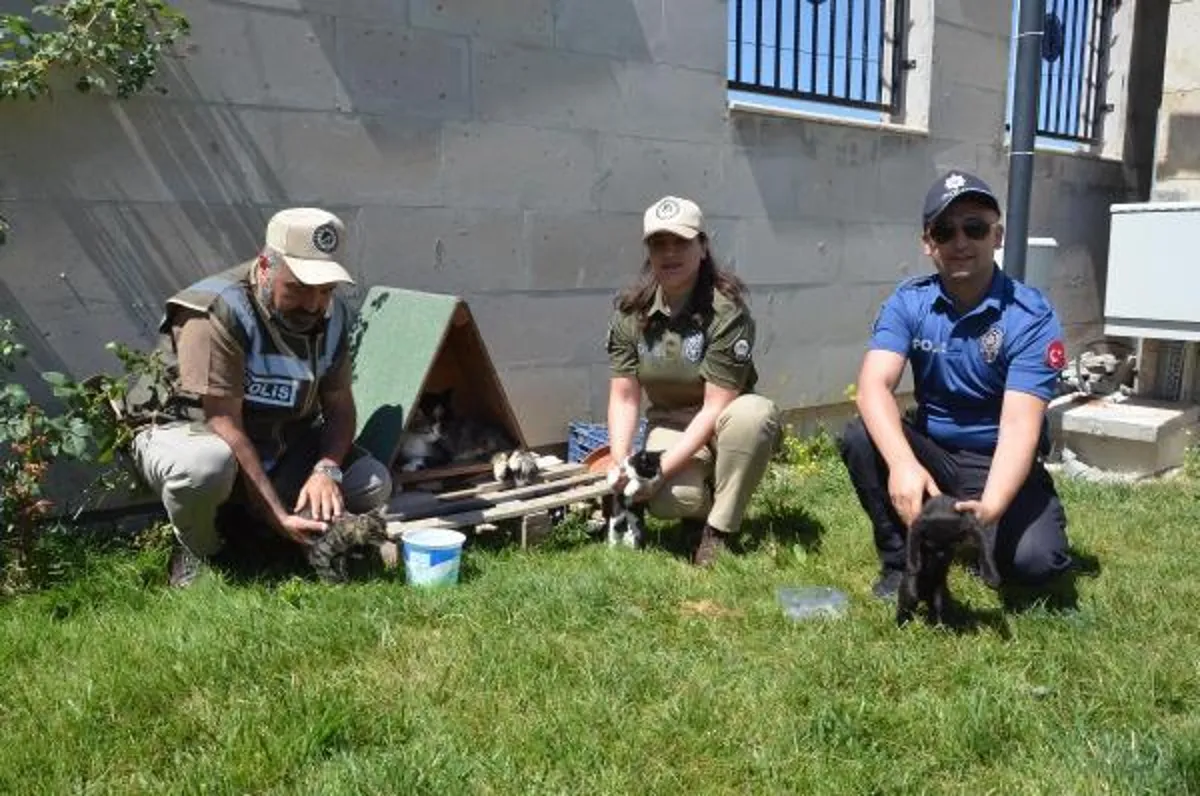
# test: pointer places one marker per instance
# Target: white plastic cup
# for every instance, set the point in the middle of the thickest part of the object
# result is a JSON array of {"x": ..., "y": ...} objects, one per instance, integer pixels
[{"x": 432, "y": 556}]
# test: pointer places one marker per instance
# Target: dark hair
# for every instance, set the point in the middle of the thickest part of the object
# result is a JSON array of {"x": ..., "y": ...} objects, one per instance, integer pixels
[{"x": 639, "y": 296}]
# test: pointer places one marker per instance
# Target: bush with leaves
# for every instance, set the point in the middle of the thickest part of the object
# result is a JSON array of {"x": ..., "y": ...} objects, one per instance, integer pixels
[
  {"x": 31, "y": 439},
  {"x": 806, "y": 455},
  {"x": 108, "y": 45}
]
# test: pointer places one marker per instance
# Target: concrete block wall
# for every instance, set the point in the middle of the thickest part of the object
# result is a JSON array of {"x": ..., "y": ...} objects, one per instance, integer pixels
[
  {"x": 504, "y": 151},
  {"x": 1177, "y": 149}
]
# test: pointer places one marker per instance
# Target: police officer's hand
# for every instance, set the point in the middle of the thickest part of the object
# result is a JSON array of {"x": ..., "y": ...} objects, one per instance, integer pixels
[
  {"x": 907, "y": 487},
  {"x": 301, "y": 529},
  {"x": 322, "y": 496},
  {"x": 986, "y": 514}
]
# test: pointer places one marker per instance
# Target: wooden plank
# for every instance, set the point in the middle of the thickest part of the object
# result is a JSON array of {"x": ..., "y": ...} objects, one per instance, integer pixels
[
  {"x": 504, "y": 511},
  {"x": 438, "y": 473},
  {"x": 438, "y": 507},
  {"x": 554, "y": 472},
  {"x": 553, "y": 465},
  {"x": 419, "y": 503}
]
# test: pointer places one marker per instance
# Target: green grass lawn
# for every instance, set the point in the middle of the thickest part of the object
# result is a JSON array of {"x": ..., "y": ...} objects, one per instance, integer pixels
[{"x": 575, "y": 669}]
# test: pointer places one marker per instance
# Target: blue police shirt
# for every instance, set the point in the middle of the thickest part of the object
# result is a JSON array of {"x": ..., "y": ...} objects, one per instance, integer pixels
[{"x": 962, "y": 364}]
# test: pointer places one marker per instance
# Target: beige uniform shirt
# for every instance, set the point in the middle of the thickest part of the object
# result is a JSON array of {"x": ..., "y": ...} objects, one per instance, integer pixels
[{"x": 674, "y": 356}]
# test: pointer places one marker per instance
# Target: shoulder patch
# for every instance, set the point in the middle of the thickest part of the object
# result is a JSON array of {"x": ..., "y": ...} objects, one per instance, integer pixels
[
  {"x": 741, "y": 350},
  {"x": 1056, "y": 355}
]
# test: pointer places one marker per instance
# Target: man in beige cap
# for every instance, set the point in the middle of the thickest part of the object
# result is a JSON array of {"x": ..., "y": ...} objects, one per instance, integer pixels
[{"x": 260, "y": 388}]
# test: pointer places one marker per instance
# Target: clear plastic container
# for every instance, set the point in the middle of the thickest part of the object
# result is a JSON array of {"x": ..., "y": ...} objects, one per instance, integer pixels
[{"x": 812, "y": 602}]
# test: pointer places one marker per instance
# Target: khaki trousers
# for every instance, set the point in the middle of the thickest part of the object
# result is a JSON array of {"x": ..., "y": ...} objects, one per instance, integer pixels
[
  {"x": 717, "y": 484},
  {"x": 194, "y": 472}
]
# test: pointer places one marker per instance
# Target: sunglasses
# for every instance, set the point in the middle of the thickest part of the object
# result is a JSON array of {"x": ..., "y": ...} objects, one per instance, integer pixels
[{"x": 974, "y": 228}]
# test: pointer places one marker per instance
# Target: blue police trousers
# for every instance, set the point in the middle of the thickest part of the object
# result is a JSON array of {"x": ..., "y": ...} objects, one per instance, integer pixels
[{"x": 1031, "y": 539}]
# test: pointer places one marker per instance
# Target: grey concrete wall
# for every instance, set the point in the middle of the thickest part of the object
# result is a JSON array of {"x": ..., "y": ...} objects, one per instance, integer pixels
[
  {"x": 504, "y": 151},
  {"x": 1177, "y": 150}
]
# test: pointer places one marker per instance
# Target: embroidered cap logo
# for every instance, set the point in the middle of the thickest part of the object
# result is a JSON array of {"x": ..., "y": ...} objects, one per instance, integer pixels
[
  {"x": 667, "y": 208},
  {"x": 954, "y": 185},
  {"x": 325, "y": 239}
]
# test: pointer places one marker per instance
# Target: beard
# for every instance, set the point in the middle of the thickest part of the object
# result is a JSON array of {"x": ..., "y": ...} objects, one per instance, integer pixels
[
  {"x": 294, "y": 321},
  {"x": 297, "y": 321}
]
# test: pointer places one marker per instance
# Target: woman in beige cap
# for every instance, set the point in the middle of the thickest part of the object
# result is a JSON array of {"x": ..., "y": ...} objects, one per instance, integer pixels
[{"x": 682, "y": 332}]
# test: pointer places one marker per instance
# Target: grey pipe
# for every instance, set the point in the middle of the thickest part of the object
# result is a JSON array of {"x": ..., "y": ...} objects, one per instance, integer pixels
[{"x": 1026, "y": 91}]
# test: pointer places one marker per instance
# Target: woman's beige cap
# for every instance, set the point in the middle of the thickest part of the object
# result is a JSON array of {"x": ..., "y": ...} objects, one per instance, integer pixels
[{"x": 673, "y": 214}]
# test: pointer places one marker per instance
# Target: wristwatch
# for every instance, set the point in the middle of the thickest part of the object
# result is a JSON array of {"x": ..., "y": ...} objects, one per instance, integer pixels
[{"x": 330, "y": 469}]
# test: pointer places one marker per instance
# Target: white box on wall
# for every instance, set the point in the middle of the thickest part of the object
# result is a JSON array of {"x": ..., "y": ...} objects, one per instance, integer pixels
[{"x": 1153, "y": 286}]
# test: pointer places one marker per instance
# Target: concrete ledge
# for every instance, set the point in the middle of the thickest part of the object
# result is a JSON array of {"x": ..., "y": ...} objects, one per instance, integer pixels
[
  {"x": 1137, "y": 436},
  {"x": 742, "y": 106}
]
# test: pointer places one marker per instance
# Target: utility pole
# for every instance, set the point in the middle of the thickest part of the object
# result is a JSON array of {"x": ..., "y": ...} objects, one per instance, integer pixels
[{"x": 1026, "y": 91}]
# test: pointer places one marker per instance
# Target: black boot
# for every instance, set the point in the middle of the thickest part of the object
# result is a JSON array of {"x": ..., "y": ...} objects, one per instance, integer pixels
[{"x": 710, "y": 545}]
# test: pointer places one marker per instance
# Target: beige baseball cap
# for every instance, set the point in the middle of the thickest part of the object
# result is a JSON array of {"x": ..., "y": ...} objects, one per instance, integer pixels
[
  {"x": 673, "y": 214},
  {"x": 310, "y": 239}
]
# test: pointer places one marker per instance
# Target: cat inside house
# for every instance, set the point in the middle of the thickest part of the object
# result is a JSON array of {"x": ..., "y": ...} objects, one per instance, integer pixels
[{"x": 437, "y": 436}]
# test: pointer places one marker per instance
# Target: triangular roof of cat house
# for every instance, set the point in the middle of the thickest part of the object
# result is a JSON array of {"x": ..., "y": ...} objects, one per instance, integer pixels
[{"x": 406, "y": 342}]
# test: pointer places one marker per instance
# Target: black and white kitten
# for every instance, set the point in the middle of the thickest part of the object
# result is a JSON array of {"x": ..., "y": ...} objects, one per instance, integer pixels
[{"x": 625, "y": 519}]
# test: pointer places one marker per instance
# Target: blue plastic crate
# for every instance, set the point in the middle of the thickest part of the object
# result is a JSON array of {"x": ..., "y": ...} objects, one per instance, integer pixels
[{"x": 583, "y": 438}]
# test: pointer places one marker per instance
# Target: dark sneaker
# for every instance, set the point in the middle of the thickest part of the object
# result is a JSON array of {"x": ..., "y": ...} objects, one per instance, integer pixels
[
  {"x": 888, "y": 584},
  {"x": 711, "y": 545},
  {"x": 183, "y": 568}
]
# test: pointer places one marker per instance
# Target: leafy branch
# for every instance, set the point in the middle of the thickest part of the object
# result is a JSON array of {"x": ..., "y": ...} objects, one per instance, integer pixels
[
  {"x": 88, "y": 429},
  {"x": 110, "y": 45}
]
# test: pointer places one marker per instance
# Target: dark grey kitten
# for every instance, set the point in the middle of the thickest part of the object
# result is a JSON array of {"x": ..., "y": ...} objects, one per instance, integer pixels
[{"x": 932, "y": 543}]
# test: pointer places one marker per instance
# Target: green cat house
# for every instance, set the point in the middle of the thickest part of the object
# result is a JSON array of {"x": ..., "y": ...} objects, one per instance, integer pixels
[{"x": 407, "y": 342}]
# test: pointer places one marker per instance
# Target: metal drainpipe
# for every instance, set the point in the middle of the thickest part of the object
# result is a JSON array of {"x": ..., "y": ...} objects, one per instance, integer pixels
[{"x": 1024, "y": 130}]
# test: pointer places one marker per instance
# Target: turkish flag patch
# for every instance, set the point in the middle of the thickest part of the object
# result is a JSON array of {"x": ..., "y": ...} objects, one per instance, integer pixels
[{"x": 1056, "y": 355}]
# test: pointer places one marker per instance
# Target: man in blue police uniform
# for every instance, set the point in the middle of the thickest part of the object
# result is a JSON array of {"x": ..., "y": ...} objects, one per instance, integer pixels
[{"x": 986, "y": 351}]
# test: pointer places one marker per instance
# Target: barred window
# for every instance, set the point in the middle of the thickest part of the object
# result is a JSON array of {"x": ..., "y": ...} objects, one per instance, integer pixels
[
  {"x": 1076, "y": 37},
  {"x": 834, "y": 53}
]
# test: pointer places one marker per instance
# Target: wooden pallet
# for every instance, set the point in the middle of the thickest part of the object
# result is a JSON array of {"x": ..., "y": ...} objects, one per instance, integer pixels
[{"x": 560, "y": 484}]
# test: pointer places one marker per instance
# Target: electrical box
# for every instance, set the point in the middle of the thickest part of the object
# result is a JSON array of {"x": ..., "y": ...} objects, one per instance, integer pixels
[{"x": 1153, "y": 286}]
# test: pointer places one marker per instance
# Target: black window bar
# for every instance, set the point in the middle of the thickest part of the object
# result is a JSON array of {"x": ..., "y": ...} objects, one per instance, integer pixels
[
  {"x": 1075, "y": 45},
  {"x": 840, "y": 52}
]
